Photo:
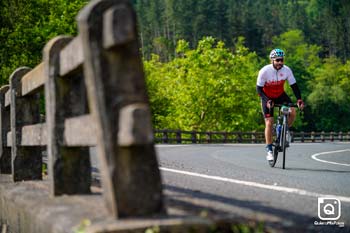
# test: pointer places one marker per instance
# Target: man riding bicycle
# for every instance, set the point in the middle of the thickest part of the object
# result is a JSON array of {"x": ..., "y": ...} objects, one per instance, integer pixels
[{"x": 270, "y": 87}]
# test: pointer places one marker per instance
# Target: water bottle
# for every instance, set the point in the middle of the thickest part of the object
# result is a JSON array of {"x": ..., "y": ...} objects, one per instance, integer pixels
[{"x": 278, "y": 130}]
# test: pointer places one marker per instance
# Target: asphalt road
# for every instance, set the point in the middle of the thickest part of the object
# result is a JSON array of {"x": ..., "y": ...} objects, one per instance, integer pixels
[{"x": 235, "y": 180}]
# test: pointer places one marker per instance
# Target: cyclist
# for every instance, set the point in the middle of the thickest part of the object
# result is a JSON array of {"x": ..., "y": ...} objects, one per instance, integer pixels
[{"x": 270, "y": 87}]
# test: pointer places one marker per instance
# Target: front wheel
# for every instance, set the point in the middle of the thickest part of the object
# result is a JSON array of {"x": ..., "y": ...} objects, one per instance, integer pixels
[
  {"x": 283, "y": 144},
  {"x": 275, "y": 155}
]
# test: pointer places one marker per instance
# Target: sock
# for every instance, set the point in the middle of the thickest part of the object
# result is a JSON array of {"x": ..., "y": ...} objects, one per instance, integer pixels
[{"x": 269, "y": 147}]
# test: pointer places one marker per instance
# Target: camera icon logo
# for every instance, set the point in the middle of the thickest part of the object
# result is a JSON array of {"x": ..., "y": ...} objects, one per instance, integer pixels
[{"x": 329, "y": 208}]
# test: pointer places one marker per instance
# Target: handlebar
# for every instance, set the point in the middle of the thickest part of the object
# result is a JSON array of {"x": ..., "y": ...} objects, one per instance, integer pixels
[
  {"x": 301, "y": 112},
  {"x": 286, "y": 104}
]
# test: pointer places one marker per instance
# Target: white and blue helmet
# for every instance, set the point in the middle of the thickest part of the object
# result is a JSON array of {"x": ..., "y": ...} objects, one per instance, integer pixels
[{"x": 276, "y": 53}]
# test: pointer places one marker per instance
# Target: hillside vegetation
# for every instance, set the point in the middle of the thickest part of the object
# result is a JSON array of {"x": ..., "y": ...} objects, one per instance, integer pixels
[{"x": 202, "y": 57}]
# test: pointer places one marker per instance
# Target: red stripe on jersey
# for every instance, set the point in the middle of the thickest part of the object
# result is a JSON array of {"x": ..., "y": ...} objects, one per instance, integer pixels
[{"x": 274, "y": 89}]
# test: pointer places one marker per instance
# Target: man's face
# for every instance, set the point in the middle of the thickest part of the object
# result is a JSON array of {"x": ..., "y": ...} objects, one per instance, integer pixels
[{"x": 277, "y": 62}]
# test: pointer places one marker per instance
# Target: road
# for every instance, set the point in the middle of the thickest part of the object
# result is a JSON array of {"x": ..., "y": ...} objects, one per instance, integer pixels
[{"x": 235, "y": 180}]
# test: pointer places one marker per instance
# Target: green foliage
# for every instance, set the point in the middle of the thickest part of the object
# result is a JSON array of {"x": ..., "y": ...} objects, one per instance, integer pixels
[
  {"x": 26, "y": 26},
  {"x": 205, "y": 88},
  {"x": 212, "y": 88},
  {"x": 81, "y": 228},
  {"x": 248, "y": 227},
  {"x": 154, "y": 229},
  {"x": 209, "y": 84},
  {"x": 329, "y": 99},
  {"x": 323, "y": 22}
]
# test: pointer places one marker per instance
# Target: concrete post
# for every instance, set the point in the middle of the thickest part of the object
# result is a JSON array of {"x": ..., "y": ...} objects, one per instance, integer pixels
[
  {"x": 69, "y": 168},
  {"x": 118, "y": 102},
  {"x": 5, "y": 151},
  {"x": 26, "y": 161}
]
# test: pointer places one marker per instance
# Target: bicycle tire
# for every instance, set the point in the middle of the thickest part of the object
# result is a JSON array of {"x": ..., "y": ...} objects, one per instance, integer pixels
[
  {"x": 275, "y": 155},
  {"x": 284, "y": 147}
]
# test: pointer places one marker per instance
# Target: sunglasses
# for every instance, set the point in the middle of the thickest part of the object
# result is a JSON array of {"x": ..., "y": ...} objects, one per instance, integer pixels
[{"x": 279, "y": 60}]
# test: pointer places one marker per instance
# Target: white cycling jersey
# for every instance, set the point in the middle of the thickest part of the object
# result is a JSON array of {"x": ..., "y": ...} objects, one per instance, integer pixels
[{"x": 273, "y": 80}]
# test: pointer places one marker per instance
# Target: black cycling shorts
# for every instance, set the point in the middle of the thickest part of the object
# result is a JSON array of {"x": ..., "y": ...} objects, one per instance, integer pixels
[{"x": 282, "y": 99}]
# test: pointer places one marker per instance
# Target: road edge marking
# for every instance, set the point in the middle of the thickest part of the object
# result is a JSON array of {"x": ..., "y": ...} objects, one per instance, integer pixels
[
  {"x": 314, "y": 156},
  {"x": 257, "y": 185}
]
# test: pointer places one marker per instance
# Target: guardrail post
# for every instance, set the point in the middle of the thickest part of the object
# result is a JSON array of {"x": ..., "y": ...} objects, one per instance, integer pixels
[
  {"x": 331, "y": 136},
  {"x": 239, "y": 137},
  {"x": 68, "y": 167},
  {"x": 208, "y": 137},
  {"x": 323, "y": 136},
  {"x": 225, "y": 137},
  {"x": 312, "y": 136},
  {"x": 165, "y": 137},
  {"x": 26, "y": 161},
  {"x": 254, "y": 137},
  {"x": 302, "y": 135},
  {"x": 194, "y": 137},
  {"x": 178, "y": 137},
  {"x": 291, "y": 136},
  {"x": 119, "y": 104},
  {"x": 340, "y": 136},
  {"x": 348, "y": 136},
  {"x": 5, "y": 151}
]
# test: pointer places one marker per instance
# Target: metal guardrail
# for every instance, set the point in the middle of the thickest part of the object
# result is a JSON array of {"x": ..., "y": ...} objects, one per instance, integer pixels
[{"x": 179, "y": 136}]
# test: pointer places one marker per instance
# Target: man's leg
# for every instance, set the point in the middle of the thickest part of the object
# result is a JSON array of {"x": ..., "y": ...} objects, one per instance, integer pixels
[
  {"x": 268, "y": 137},
  {"x": 268, "y": 130},
  {"x": 268, "y": 116},
  {"x": 291, "y": 117}
]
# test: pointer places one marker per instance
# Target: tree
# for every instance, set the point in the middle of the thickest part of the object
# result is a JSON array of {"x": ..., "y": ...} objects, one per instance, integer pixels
[
  {"x": 205, "y": 88},
  {"x": 331, "y": 26},
  {"x": 26, "y": 26},
  {"x": 329, "y": 99}
]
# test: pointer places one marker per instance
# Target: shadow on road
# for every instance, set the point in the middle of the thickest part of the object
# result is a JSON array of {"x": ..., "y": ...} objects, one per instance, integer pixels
[
  {"x": 315, "y": 170},
  {"x": 197, "y": 202}
]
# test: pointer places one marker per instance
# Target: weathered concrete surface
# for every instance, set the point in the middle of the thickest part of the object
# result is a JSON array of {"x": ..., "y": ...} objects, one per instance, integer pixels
[
  {"x": 164, "y": 225},
  {"x": 65, "y": 97},
  {"x": 27, "y": 207},
  {"x": 5, "y": 152},
  {"x": 119, "y": 105},
  {"x": 25, "y": 110}
]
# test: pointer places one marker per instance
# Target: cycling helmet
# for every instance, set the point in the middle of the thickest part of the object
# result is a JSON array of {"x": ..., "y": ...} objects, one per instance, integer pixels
[{"x": 276, "y": 53}]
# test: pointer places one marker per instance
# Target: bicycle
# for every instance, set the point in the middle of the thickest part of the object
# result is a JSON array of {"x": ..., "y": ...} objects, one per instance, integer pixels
[{"x": 280, "y": 143}]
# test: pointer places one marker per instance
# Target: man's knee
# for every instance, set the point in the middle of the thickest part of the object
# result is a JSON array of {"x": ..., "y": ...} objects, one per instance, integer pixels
[
  {"x": 269, "y": 122},
  {"x": 292, "y": 113}
]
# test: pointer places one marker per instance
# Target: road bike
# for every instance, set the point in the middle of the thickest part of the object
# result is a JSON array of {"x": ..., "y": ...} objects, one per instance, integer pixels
[{"x": 281, "y": 141}]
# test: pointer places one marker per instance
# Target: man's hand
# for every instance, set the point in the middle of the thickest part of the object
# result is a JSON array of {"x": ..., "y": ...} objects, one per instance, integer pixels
[
  {"x": 269, "y": 104},
  {"x": 300, "y": 104}
]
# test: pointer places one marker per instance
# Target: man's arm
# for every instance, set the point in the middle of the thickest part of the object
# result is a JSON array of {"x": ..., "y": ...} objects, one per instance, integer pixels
[
  {"x": 261, "y": 93},
  {"x": 297, "y": 94},
  {"x": 296, "y": 91}
]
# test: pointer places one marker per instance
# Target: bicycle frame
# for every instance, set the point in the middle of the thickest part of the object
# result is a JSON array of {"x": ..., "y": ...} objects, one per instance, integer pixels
[
  {"x": 280, "y": 143},
  {"x": 283, "y": 114}
]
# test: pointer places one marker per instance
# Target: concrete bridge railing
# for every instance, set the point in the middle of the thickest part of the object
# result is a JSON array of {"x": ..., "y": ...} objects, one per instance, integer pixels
[{"x": 94, "y": 93}]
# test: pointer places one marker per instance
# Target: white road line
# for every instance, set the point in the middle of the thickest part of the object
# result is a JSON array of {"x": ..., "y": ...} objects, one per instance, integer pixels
[
  {"x": 330, "y": 152},
  {"x": 172, "y": 145},
  {"x": 257, "y": 185}
]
